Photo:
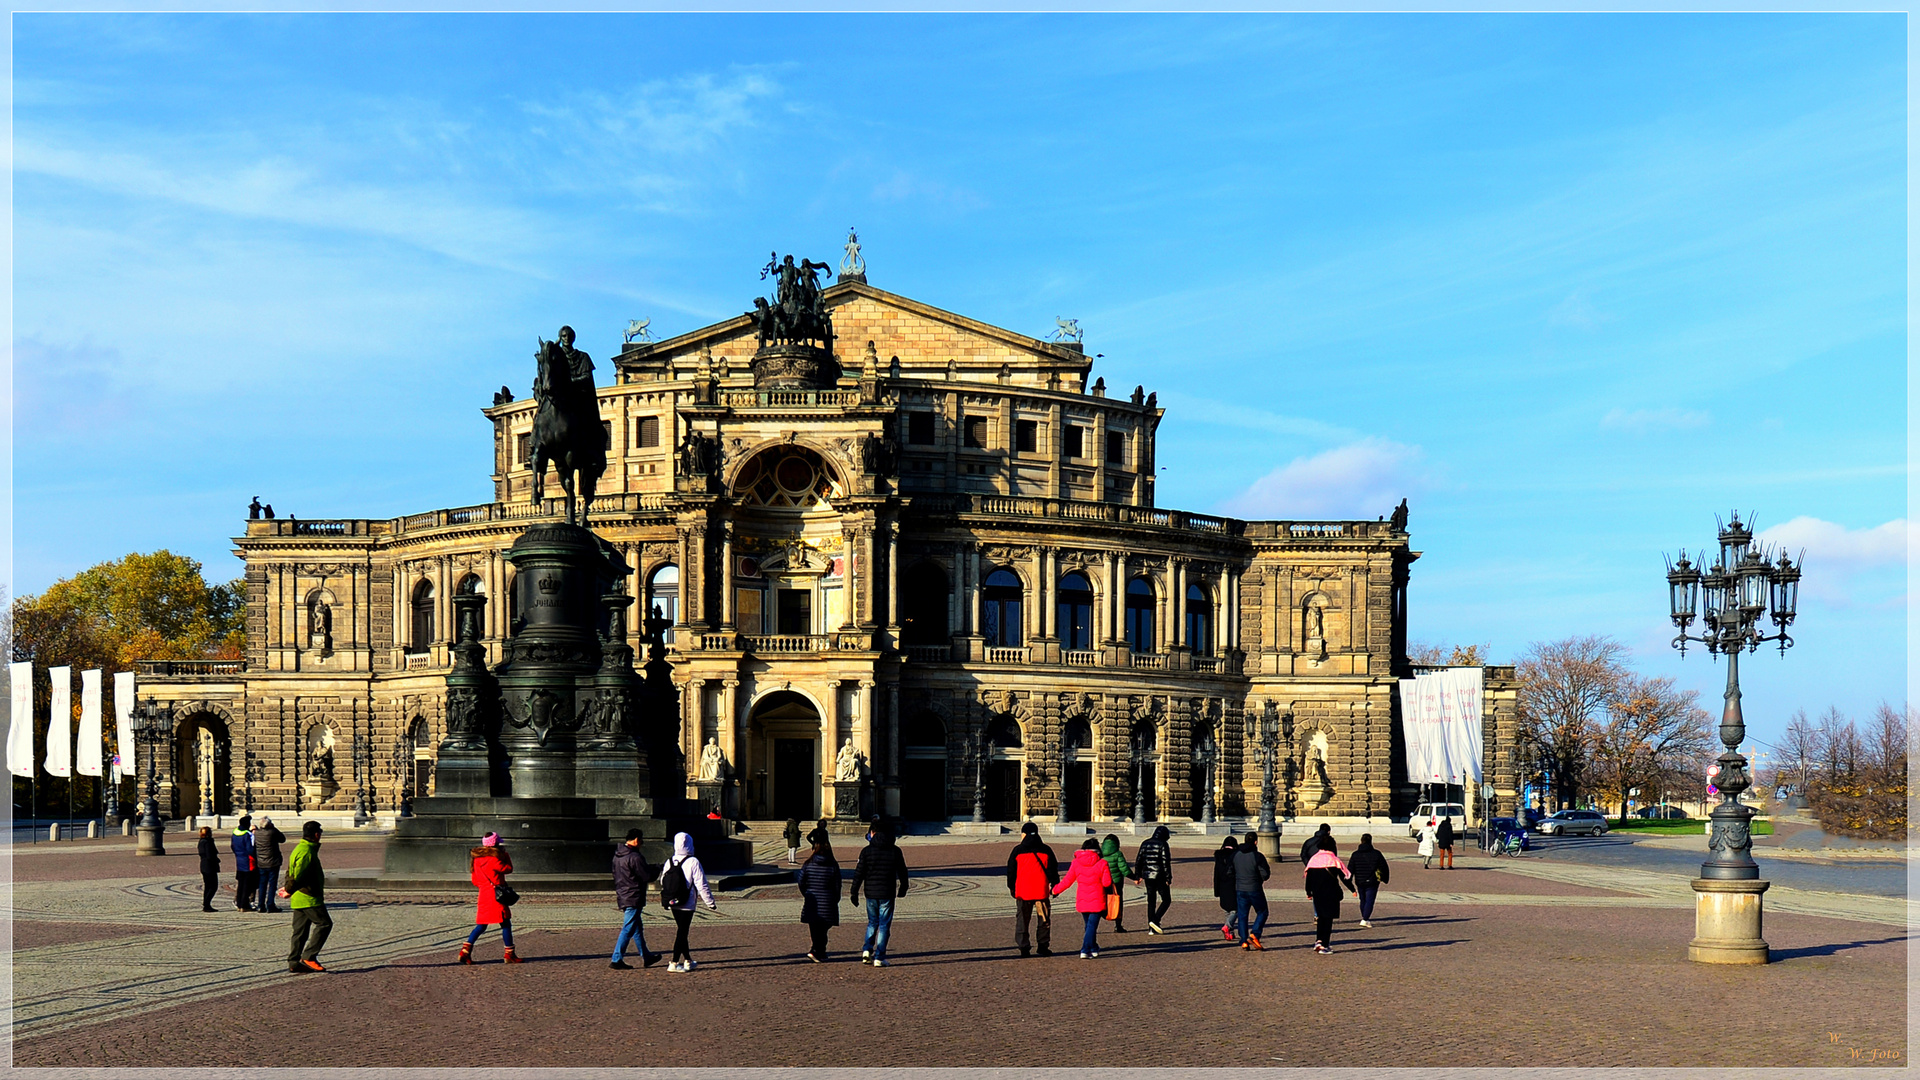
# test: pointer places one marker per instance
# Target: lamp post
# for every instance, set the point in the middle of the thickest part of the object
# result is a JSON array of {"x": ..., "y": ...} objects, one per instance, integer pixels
[
  {"x": 363, "y": 779},
  {"x": 1137, "y": 744},
  {"x": 403, "y": 777},
  {"x": 1204, "y": 756},
  {"x": 977, "y": 750},
  {"x": 1731, "y": 597},
  {"x": 153, "y": 727},
  {"x": 1268, "y": 833}
]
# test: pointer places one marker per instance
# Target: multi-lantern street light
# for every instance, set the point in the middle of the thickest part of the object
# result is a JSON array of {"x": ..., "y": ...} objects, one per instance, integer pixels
[{"x": 1731, "y": 598}]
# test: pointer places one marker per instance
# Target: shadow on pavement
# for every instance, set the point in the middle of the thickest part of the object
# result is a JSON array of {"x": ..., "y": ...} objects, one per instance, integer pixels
[{"x": 1830, "y": 948}]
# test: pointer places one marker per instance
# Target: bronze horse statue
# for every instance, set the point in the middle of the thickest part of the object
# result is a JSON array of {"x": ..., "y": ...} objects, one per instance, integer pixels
[{"x": 566, "y": 424}]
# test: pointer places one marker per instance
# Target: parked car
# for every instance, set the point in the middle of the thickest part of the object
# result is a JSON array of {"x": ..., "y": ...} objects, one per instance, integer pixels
[
  {"x": 1428, "y": 811},
  {"x": 1671, "y": 813},
  {"x": 1569, "y": 822}
]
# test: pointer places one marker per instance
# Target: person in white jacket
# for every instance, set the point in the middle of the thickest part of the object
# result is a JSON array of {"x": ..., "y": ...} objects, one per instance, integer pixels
[
  {"x": 693, "y": 892},
  {"x": 1428, "y": 842}
]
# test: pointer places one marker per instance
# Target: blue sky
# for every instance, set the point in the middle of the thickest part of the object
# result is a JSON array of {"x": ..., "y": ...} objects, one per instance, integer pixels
[{"x": 1570, "y": 284}]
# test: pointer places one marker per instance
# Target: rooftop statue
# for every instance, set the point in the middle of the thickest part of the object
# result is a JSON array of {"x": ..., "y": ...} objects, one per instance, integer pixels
[
  {"x": 566, "y": 424},
  {"x": 852, "y": 266},
  {"x": 796, "y": 315},
  {"x": 636, "y": 331},
  {"x": 1068, "y": 330}
]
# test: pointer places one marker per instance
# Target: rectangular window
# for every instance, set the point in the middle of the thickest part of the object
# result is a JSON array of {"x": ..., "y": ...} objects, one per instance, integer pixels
[
  {"x": 796, "y": 611},
  {"x": 977, "y": 432},
  {"x": 522, "y": 447},
  {"x": 746, "y": 610},
  {"x": 647, "y": 432},
  {"x": 606, "y": 430},
  {"x": 1026, "y": 435},
  {"x": 1117, "y": 449},
  {"x": 1075, "y": 440},
  {"x": 920, "y": 429}
]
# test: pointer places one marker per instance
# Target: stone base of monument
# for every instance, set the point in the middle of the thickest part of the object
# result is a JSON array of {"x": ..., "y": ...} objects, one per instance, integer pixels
[
  {"x": 1727, "y": 922},
  {"x": 149, "y": 842},
  {"x": 847, "y": 802}
]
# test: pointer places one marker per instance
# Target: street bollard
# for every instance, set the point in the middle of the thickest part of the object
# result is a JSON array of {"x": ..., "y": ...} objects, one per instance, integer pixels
[
  {"x": 93, "y": 830},
  {"x": 126, "y": 827},
  {"x": 53, "y": 831}
]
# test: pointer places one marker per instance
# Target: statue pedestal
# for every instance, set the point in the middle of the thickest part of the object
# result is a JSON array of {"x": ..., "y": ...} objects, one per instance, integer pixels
[
  {"x": 846, "y": 799},
  {"x": 1727, "y": 922},
  {"x": 315, "y": 793},
  {"x": 149, "y": 842},
  {"x": 710, "y": 794},
  {"x": 465, "y": 773},
  {"x": 616, "y": 779}
]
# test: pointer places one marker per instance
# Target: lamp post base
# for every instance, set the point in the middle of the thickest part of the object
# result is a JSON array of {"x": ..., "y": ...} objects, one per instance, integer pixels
[
  {"x": 148, "y": 840},
  {"x": 1267, "y": 841},
  {"x": 1727, "y": 922}
]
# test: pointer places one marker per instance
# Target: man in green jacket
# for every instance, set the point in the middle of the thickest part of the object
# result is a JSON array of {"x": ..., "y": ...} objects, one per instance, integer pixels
[{"x": 306, "y": 892}]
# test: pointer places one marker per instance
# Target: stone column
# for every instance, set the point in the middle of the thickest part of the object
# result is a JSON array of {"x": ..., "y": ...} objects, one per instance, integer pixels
[
  {"x": 893, "y": 578},
  {"x": 726, "y": 576},
  {"x": 957, "y": 597},
  {"x": 890, "y": 791},
  {"x": 849, "y": 539}
]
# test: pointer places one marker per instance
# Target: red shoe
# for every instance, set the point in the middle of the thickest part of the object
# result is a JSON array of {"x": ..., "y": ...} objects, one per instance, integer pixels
[
  {"x": 1226, "y": 931},
  {"x": 466, "y": 953},
  {"x": 512, "y": 957}
]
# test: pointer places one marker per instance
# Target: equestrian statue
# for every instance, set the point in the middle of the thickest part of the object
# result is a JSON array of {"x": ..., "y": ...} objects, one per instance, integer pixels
[{"x": 566, "y": 424}]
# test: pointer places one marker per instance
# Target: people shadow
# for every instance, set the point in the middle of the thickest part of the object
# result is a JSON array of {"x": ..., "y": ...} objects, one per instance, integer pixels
[{"x": 1830, "y": 948}]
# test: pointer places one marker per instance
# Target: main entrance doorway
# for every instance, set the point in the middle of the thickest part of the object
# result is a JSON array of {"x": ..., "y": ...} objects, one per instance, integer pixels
[
  {"x": 785, "y": 755},
  {"x": 793, "y": 778}
]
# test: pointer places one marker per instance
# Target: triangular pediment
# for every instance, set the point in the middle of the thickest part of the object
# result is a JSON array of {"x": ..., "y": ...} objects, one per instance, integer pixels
[{"x": 928, "y": 343}]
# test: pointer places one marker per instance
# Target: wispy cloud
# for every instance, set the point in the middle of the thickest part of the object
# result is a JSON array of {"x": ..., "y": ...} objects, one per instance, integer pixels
[
  {"x": 1358, "y": 480},
  {"x": 1846, "y": 567},
  {"x": 1642, "y": 421},
  {"x": 1188, "y": 407}
]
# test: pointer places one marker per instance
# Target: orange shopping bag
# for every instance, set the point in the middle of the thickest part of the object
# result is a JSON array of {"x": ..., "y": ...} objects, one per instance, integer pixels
[{"x": 1113, "y": 905}]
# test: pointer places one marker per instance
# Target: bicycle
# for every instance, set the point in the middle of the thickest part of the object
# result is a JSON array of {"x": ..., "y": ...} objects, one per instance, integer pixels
[{"x": 1506, "y": 844}]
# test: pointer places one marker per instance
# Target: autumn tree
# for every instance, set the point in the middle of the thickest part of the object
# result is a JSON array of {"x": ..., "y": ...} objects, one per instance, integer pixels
[
  {"x": 1650, "y": 728},
  {"x": 1864, "y": 793},
  {"x": 1566, "y": 689},
  {"x": 1799, "y": 749},
  {"x": 1427, "y": 655}
]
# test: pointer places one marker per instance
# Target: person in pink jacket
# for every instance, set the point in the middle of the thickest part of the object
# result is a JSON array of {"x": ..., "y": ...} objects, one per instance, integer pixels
[{"x": 1089, "y": 871}]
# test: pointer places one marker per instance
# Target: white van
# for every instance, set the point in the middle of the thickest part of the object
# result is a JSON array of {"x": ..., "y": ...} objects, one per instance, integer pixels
[{"x": 1431, "y": 811}]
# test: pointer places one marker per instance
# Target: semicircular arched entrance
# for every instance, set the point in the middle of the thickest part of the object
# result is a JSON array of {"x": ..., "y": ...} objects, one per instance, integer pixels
[{"x": 784, "y": 763}]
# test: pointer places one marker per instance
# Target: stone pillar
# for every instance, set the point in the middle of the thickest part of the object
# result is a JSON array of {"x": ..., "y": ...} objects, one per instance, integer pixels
[
  {"x": 727, "y": 724},
  {"x": 957, "y": 598},
  {"x": 893, "y": 579},
  {"x": 1727, "y": 922},
  {"x": 849, "y": 545},
  {"x": 726, "y": 576},
  {"x": 890, "y": 789}
]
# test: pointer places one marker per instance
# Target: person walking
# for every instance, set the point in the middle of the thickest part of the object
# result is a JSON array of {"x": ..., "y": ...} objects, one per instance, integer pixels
[
  {"x": 267, "y": 839},
  {"x": 1427, "y": 844},
  {"x": 209, "y": 868},
  {"x": 488, "y": 866},
  {"x": 1091, "y": 878},
  {"x": 1250, "y": 872},
  {"x": 1032, "y": 872},
  {"x": 1153, "y": 865},
  {"x": 305, "y": 892},
  {"x": 683, "y": 886},
  {"x": 1117, "y": 866},
  {"x": 1322, "y": 839},
  {"x": 630, "y": 877},
  {"x": 792, "y": 837},
  {"x": 1443, "y": 839},
  {"x": 882, "y": 872},
  {"x": 1223, "y": 890},
  {"x": 1326, "y": 875},
  {"x": 819, "y": 880},
  {"x": 1369, "y": 870},
  {"x": 246, "y": 873}
]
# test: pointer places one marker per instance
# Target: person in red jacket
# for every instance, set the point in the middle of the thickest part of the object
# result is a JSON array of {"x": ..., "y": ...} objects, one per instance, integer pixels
[
  {"x": 1090, "y": 873},
  {"x": 1032, "y": 872},
  {"x": 491, "y": 865}
]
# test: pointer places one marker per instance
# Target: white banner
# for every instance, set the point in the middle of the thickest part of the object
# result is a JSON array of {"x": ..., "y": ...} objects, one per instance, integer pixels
[
  {"x": 1440, "y": 723},
  {"x": 20, "y": 735},
  {"x": 60, "y": 723},
  {"x": 86, "y": 759},
  {"x": 123, "y": 720}
]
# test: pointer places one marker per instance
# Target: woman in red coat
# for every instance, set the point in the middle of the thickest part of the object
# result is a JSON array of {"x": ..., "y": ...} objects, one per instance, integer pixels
[{"x": 491, "y": 865}]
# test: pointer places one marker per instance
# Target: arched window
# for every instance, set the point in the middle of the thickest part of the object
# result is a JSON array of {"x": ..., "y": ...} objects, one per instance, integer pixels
[
  {"x": 1076, "y": 613},
  {"x": 1078, "y": 735},
  {"x": 422, "y": 637},
  {"x": 923, "y": 605},
  {"x": 1003, "y": 732},
  {"x": 663, "y": 595},
  {"x": 1001, "y": 598},
  {"x": 1140, "y": 616},
  {"x": 923, "y": 731},
  {"x": 1199, "y": 621}
]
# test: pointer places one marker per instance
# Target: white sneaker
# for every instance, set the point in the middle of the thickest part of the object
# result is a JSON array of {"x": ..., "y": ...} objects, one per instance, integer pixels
[
  {"x": 866, "y": 956},
  {"x": 1095, "y": 954},
  {"x": 877, "y": 962},
  {"x": 1083, "y": 956},
  {"x": 1366, "y": 924},
  {"x": 691, "y": 964}
]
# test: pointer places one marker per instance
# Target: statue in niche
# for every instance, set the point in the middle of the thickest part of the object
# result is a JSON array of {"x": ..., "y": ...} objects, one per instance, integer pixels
[
  {"x": 847, "y": 765},
  {"x": 320, "y": 756},
  {"x": 713, "y": 763},
  {"x": 1316, "y": 632},
  {"x": 320, "y": 627}
]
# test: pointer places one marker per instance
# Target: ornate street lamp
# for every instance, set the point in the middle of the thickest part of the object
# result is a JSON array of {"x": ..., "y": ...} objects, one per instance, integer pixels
[
  {"x": 403, "y": 777},
  {"x": 1269, "y": 751},
  {"x": 152, "y": 727},
  {"x": 1204, "y": 756},
  {"x": 977, "y": 750},
  {"x": 363, "y": 779},
  {"x": 1730, "y": 598}
]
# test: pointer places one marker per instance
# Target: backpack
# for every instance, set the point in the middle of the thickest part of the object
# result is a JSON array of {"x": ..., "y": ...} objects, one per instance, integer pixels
[{"x": 674, "y": 889}]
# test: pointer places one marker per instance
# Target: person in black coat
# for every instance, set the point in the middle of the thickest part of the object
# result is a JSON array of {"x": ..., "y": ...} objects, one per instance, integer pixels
[
  {"x": 1324, "y": 884},
  {"x": 1223, "y": 883},
  {"x": 1443, "y": 839},
  {"x": 630, "y": 877},
  {"x": 1154, "y": 866},
  {"x": 882, "y": 872},
  {"x": 819, "y": 880},
  {"x": 1250, "y": 873},
  {"x": 1369, "y": 870},
  {"x": 1321, "y": 840},
  {"x": 209, "y": 868}
]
